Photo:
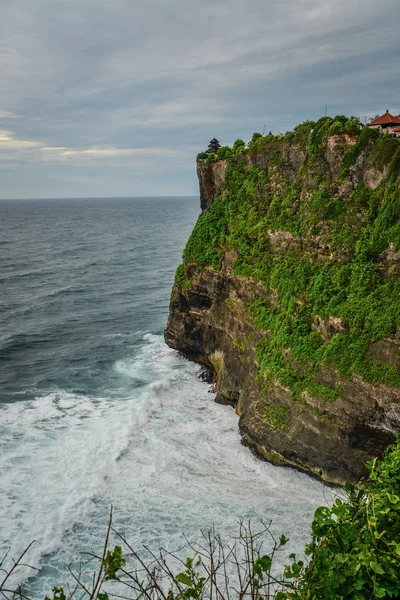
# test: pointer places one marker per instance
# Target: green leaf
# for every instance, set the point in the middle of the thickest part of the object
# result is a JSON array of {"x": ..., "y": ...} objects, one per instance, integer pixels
[
  {"x": 265, "y": 563},
  {"x": 283, "y": 540},
  {"x": 189, "y": 562},
  {"x": 376, "y": 567},
  {"x": 113, "y": 562},
  {"x": 58, "y": 594},
  {"x": 359, "y": 584},
  {"x": 393, "y": 498},
  {"x": 183, "y": 578}
]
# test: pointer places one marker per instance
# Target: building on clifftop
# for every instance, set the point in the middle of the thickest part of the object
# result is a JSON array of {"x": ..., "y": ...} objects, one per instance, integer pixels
[
  {"x": 396, "y": 131},
  {"x": 386, "y": 123},
  {"x": 214, "y": 146}
]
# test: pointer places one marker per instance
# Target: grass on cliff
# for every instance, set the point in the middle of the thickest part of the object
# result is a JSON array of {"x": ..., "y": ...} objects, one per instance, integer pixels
[
  {"x": 354, "y": 554},
  {"x": 320, "y": 254}
]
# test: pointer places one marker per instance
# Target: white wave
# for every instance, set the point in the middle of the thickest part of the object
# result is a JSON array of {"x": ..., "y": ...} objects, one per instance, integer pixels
[
  {"x": 49, "y": 447},
  {"x": 164, "y": 454},
  {"x": 58, "y": 451}
]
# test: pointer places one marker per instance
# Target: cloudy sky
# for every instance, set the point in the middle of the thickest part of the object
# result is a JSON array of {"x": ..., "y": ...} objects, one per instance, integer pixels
[{"x": 116, "y": 97}]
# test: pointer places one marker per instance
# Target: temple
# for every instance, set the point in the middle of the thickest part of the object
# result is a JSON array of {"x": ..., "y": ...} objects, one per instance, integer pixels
[
  {"x": 386, "y": 123},
  {"x": 214, "y": 146}
]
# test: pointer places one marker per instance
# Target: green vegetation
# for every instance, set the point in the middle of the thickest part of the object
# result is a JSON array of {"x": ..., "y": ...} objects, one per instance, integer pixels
[
  {"x": 322, "y": 391},
  {"x": 239, "y": 345},
  {"x": 276, "y": 416},
  {"x": 355, "y": 547},
  {"x": 238, "y": 147},
  {"x": 321, "y": 254},
  {"x": 181, "y": 278},
  {"x": 208, "y": 236},
  {"x": 224, "y": 152}
]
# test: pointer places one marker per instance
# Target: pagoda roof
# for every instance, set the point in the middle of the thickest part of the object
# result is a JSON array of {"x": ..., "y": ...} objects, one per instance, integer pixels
[
  {"x": 216, "y": 141},
  {"x": 396, "y": 129},
  {"x": 385, "y": 119}
]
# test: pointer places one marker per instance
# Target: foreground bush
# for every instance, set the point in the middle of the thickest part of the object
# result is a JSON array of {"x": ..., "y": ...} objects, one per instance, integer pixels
[{"x": 355, "y": 548}]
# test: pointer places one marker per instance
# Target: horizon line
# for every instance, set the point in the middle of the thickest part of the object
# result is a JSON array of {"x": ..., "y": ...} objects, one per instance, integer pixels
[{"x": 100, "y": 197}]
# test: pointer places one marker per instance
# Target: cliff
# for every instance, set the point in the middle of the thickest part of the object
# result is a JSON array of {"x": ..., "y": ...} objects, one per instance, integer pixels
[{"x": 289, "y": 289}]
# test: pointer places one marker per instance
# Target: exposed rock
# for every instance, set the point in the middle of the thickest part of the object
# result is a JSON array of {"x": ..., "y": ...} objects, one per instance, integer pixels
[
  {"x": 211, "y": 179},
  {"x": 281, "y": 241},
  {"x": 336, "y": 147},
  {"x": 328, "y": 327},
  {"x": 390, "y": 260},
  {"x": 386, "y": 352}
]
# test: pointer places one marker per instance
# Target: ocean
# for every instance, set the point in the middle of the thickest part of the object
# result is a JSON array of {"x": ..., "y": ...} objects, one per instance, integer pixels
[{"x": 96, "y": 411}]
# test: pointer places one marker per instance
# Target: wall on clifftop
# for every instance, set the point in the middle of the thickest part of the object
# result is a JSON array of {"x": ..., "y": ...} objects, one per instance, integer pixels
[{"x": 290, "y": 290}]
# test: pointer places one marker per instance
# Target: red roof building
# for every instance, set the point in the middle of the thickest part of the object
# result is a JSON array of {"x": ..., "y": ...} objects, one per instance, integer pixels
[
  {"x": 396, "y": 131},
  {"x": 386, "y": 122}
]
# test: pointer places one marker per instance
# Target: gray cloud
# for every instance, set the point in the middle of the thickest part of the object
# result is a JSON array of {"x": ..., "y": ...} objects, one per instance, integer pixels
[{"x": 98, "y": 97}]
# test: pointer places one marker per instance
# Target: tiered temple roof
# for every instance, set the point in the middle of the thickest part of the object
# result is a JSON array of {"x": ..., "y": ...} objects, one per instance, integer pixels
[{"x": 214, "y": 146}]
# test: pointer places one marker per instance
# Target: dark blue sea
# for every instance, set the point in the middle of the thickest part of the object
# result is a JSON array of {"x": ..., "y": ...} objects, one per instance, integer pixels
[{"x": 96, "y": 411}]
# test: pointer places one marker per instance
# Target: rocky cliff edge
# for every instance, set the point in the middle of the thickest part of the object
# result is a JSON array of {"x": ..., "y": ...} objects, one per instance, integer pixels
[{"x": 289, "y": 291}]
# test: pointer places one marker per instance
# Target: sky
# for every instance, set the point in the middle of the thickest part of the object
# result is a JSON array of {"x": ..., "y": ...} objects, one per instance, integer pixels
[{"x": 116, "y": 98}]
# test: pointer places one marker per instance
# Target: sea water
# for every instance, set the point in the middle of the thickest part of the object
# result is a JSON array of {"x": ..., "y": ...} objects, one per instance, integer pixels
[{"x": 96, "y": 411}]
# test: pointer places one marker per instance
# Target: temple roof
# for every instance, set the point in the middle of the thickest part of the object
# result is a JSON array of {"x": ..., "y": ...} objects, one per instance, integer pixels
[
  {"x": 385, "y": 119},
  {"x": 213, "y": 146}
]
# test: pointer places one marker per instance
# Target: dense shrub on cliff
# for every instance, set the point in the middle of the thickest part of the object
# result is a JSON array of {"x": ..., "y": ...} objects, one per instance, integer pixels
[
  {"x": 355, "y": 547},
  {"x": 324, "y": 255}
]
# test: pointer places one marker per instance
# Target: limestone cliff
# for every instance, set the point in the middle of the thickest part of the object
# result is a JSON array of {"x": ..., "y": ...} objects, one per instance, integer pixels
[{"x": 289, "y": 290}]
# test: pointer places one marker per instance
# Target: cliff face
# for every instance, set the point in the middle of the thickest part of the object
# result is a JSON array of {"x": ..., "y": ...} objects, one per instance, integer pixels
[
  {"x": 211, "y": 179},
  {"x": 289, "y": 290}
]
